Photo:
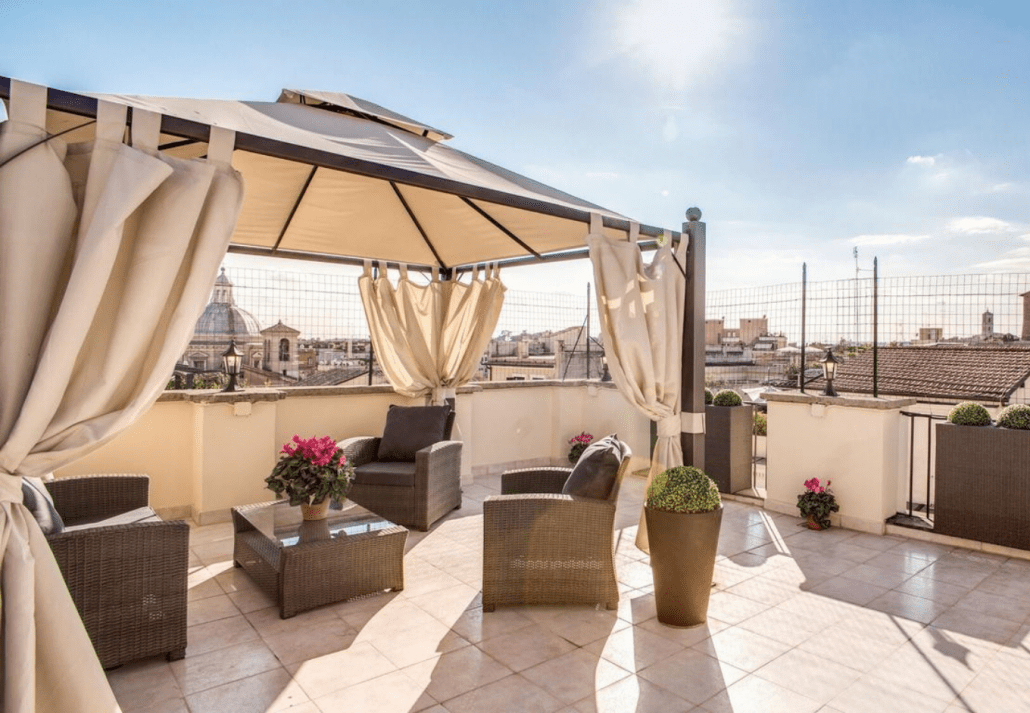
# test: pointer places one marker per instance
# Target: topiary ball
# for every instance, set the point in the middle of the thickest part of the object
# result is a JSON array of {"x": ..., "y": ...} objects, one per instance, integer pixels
[
  {"x": 969, "y": 414},
  {"x": 1016, "y": 416},
  {"x": 708, "y": 397},
  {"x": 727, "y": 397},
  {"x": 683, "y": 489}
]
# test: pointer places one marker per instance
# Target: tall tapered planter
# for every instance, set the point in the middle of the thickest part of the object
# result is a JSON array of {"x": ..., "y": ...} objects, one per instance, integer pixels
[
  {"x": 728, "y": 446},
  {"x": 983, "y": 484},
  {"x": 683, "y": 551}
]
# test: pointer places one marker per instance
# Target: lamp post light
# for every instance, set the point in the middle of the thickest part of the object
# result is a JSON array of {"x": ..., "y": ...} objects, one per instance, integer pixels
[
  {"x": 829, "y": 363},
  {"x": 232, "y": 358}
]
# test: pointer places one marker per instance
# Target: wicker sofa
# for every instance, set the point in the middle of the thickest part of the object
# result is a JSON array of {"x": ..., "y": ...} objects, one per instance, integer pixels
[
  {"x": 541, "y": 546},
  {"x": 416, "y": 484},
  {"x": 126, "y": 568}
]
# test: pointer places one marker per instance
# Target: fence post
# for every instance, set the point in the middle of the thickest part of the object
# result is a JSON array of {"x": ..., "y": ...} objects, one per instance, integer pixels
[{"x": 804, "y": 287}]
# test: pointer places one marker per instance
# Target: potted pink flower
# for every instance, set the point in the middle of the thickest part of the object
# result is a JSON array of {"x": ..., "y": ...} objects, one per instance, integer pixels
[
  {"x": 816, "y": 504},
  {"x": 579, "y": 444},
  {"x": 311, "y": 473}
]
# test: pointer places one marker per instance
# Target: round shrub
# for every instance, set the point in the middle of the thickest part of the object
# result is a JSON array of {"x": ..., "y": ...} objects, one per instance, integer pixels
[
  {"x": 727, "y": 397},
  {"x": 1016, "y": 416},
  {"x": 683, "y": 489},
  {"x": 708, "y": 397},
  {"x": 761, "y": 424},
  {"x": 969, "y": 414}
]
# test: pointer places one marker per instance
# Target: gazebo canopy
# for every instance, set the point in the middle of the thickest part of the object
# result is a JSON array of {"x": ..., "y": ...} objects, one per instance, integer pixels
[{"x": 335, "y": 178}]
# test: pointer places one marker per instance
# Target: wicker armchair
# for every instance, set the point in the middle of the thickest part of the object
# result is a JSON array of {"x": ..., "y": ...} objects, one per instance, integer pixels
[
  {"x": 429, "y": 488},
  {"x": 542, "y": 547},
  {"x": 126, "y": 569}
]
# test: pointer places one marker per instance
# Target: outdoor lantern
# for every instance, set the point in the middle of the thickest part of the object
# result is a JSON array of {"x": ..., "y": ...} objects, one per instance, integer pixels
[
  {"x": 232, "y": 358},
  {"x": 829, "y": 371}
]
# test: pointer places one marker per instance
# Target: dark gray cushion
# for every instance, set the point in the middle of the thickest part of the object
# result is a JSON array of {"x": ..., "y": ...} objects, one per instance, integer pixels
[
  {"x": 409, "y": 429},
  {"x": 129, "y": 517},
  {"x": 37, "y": 499},
  {"x": 386, "y": 473},
  {"x": 594, "y": 473}
]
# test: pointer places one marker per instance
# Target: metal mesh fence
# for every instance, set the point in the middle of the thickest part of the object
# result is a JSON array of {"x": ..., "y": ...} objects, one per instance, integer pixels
[
  {"x": 911, "y": 309},
  {"x": 544, "y": 335}
]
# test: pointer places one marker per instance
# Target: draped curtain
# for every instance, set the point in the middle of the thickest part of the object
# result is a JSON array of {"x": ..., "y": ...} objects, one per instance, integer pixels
[
  {"x": 641, "y": 314},
  {"x": 429, "y": 338},
  {"x": 107, "y": 256}
]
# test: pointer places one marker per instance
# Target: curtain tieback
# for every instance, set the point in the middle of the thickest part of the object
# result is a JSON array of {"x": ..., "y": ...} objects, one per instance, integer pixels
[
  {"x": 669, "y": 426},
  {"x": 442, "y": 393},
  {"x": 10, "y": 487}
]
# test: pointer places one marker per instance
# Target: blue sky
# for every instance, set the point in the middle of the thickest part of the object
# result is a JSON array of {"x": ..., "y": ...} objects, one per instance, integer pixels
[{"x": 802, "y": 129}]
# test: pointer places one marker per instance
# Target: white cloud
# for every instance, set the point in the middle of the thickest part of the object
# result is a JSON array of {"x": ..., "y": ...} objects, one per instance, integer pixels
[
  {"x": 921, "y": 160},
  {"x": 979, "y": 225},
  {"x": 888, "y": 239},
  {"x": 603, "y": 175},
  {"x": 1017, "y": 260}
]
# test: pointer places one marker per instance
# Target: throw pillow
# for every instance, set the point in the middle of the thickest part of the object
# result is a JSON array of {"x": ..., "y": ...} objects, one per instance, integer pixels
[
  {"x": 39, "y": 502},
  {"x": 409, "y": 429},
  {"x": 597, "y": 468}
]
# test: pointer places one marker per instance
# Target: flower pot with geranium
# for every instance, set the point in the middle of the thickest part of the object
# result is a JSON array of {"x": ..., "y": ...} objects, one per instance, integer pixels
[
  {"x": 579, "y": 444},
  {"x": 311, "y": 473},
  {"x": 816, "y": 504}
]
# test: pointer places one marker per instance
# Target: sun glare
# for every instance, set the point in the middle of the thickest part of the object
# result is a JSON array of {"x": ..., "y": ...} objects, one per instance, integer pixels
[{"x": 677, "y": 42}]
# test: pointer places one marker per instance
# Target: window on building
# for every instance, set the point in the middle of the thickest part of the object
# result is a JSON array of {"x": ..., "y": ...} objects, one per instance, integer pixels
[{"x": 284, "y": 349}]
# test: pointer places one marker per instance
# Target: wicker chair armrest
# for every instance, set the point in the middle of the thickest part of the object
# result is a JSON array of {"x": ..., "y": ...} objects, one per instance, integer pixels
[
  {"x": 99, "y": 495},
  {"x": 534, "y": 480},
  {"x": 134, "y": 550},
  {"x": 360, "y": 450}
]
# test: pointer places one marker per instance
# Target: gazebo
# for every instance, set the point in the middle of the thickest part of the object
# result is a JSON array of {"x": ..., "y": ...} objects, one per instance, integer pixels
[{"x": 116, "y": 211}]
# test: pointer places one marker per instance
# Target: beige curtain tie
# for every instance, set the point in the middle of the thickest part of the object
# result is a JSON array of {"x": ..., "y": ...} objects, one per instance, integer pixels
[
  {"x": 440, "y": 394},
  {"x": 669, "y": 426},
  {"x": 10, "y": 488}
]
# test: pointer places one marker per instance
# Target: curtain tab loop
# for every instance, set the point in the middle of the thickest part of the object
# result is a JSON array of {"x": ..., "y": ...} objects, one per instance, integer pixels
[
  {"x": 220, "y": 145},
  {"x": 111, "y": 121},
  {"x": 633, "y": 235},
  {"x": 146, "y": 129},
  {"x": 27, "y": 104},
  {"x": 596, "y": 224}
]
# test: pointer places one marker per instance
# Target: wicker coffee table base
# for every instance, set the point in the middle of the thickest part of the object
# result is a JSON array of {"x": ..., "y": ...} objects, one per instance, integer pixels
[{"x": 309, "y": 575}]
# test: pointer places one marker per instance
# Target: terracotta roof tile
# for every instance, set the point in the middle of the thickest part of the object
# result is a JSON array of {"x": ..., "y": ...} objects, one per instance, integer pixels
[{"x": 987, "y": 374}]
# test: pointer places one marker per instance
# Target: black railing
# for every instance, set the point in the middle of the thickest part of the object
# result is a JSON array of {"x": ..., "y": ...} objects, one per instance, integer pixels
[{"x": 919, "y": 514}]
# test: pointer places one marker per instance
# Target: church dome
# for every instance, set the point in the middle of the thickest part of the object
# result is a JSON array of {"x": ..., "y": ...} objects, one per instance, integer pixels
[{"x": 222, "y": 317}]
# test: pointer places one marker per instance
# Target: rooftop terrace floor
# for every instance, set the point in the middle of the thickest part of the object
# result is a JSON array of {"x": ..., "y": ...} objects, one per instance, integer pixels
[{"x": 799, "y": 621}]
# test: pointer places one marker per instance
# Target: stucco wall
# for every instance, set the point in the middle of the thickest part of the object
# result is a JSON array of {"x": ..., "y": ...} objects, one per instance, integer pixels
[
  {"x": 857, "y": 443},
  {"x": 206, "y": 452}
]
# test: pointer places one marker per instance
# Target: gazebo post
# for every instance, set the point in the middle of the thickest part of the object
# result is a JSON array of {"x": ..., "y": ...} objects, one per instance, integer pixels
[{"x": 692, "y": 379}]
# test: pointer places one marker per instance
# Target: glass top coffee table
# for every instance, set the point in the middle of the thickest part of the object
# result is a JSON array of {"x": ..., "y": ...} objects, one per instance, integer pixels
[{"x": 306, "y": 564}]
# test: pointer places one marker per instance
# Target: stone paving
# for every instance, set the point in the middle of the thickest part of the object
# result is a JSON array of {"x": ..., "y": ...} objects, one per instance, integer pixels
[{"x": 799, "y": 621}]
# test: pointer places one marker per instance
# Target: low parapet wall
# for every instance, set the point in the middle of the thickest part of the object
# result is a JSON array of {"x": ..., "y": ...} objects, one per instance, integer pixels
[{"x": 207, "y": 451}]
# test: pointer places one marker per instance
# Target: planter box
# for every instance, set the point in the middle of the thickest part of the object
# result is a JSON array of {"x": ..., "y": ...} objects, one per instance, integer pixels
[
  {"x": 983, "y": 484},
  {"x": 728, "y": 446}
]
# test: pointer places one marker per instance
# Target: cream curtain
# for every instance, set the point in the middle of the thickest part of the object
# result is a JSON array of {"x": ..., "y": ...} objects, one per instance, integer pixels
[
  {"x": 641, "y": 315},
  {"x": 107, "y": 256},
  {"x": 429, "y": 338}
]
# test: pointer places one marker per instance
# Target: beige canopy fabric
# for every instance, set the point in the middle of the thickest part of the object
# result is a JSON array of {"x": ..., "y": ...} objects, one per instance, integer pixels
[
  {"x": 641, "y": 314},
  {"x": 107, "y": 256},
  {"x": 429, "y": 338},
  {"x": 333, "y": 177}
]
